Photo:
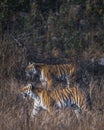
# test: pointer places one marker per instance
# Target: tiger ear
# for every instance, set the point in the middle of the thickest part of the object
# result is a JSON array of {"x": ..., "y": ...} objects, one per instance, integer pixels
[
  {"x": 29, "y": 63},
  {"x": 33, "y": 63},
  {"x": 21, "y": 89},
  {"x": 29, "y": 86}
]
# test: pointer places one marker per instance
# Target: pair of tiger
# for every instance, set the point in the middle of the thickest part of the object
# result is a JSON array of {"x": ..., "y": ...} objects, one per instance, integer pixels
[{"x": 74, "y": 97}]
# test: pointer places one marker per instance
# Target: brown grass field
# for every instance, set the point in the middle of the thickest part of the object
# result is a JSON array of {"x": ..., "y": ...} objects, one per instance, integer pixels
[{"x": 15, "y": 112}]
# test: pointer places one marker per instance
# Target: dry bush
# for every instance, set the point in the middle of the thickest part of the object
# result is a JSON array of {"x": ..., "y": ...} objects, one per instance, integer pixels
[
  {"x": 15, "y": 112},
  {"x": 12, "y": 58}
]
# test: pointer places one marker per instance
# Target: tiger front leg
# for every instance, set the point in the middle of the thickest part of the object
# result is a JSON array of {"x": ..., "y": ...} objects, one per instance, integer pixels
[
  {"x": 44, "y": 84},
  {"x": 35, "y": 113},
  {"x": 43, "y": 81},
  {"x": 51, "y": 111},
  {"x": 78, "y": 113},
  {"x": 36, "y": 108}
]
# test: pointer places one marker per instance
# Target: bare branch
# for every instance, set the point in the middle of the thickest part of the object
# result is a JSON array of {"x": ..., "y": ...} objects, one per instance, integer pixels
[{"x": 17, "y": 42}]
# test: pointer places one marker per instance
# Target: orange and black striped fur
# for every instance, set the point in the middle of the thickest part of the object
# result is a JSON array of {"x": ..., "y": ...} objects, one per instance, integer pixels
[
  {"x": 49, "y": 74},
  {"x": 73, "y": 97}
]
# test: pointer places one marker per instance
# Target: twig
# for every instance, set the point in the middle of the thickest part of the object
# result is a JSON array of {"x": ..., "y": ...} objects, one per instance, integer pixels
[{"x": 17, "y": 42}]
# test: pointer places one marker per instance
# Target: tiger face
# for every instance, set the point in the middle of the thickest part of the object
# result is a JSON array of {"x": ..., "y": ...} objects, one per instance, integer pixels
[
  {"x": 30, "y": 70},
  {"x": 26, "y": 91}
]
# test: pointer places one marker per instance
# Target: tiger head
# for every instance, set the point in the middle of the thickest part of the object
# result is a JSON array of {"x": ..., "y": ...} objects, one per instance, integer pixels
[
  {"x": 26, "y": 90},
  {"x": 31, "y": 91},
  {"x": 33, "y": 69},
  {"x": 30, "y": 70}
]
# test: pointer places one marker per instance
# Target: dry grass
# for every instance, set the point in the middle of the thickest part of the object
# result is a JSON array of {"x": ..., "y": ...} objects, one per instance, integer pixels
[{"x": 15, "y": 112}]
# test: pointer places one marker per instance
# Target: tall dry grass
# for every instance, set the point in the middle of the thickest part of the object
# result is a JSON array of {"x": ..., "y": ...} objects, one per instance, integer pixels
[{"x": 15, "y": 112}]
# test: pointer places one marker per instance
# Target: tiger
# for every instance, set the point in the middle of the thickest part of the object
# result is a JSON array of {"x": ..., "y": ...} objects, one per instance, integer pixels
[
  {"x": 74, "y": 97},
  {"x": 50, "y": 74}
]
